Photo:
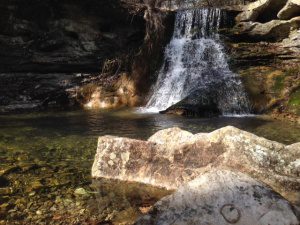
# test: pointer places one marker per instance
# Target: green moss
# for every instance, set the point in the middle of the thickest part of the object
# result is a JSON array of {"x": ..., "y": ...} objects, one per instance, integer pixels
[
  {"x": 263, "y": 84},
  {"x": 278, "y": 83},
  {"x": 294, "y": 102},
  {"x": 295, "y": 99}
]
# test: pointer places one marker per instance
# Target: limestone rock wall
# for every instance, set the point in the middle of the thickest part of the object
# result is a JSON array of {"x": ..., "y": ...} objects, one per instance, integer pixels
[
  {"x": 264, "y": 46},
  {"x": 48, "y": 47},
  {"x": 64, "y": 36}
]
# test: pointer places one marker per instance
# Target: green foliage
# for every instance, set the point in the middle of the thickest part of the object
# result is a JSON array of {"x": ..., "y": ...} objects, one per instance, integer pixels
[{"x": 295, "y": 99}]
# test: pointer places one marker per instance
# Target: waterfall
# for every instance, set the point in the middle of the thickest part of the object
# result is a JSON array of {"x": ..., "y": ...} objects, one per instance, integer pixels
[{"x": 195, "y": 60}]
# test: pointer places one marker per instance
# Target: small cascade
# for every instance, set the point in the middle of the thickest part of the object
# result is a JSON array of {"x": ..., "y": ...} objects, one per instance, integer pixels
[{"x": 195, "y": 60}]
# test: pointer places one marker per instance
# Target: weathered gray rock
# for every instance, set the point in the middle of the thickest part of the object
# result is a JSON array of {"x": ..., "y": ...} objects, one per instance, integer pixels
[
  {"x": 259, "y": 20},
  {"x": 293, "y": 41},
  {"x": 172, "y": 157},
  {"x": 275, "y": 30},
  {"x": 262, "y": 10},
  {"x": 222, "y": 197},
  {"x": 251, "y": 11},
  {"x": 290, "y": 10}
]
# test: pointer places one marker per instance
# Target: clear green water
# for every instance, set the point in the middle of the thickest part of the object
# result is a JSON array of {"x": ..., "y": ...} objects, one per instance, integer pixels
[
  {"x": 72, "y": 136},
  {"x": 45, "y": 157}
]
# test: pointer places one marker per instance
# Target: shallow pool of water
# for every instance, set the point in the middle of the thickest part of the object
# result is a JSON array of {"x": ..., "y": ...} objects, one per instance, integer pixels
[{"x": 45, "y": 157}]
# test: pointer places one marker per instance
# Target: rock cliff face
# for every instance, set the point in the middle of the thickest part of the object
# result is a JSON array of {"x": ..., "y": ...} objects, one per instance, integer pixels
[
  {"x": 58, "y": 53},
  {"x": 63, "y": 36},
  {"x": 44, "y": 45},
  {"x": 265, "y": 48}
]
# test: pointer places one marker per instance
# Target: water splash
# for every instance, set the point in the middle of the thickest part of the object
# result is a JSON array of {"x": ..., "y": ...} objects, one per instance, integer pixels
[{"x": 195, "y": 60}]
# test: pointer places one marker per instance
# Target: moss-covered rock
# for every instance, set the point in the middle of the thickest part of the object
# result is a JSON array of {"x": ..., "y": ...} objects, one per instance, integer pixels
[
  {"x": 294, "y": 102},
  {"x": 272, "y": 88}
]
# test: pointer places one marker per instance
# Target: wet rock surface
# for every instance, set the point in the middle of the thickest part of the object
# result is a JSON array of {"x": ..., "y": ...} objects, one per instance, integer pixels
[
  {"x": 222, "y": 197},
  {"x": 31, "y": 92},
  {"x": 23, "y": 92},
  {"x": 172, "y": 157},
  {"x": 198, "y": 103}
]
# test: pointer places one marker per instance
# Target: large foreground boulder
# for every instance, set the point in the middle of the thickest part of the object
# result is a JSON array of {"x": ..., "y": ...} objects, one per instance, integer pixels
[
  {"x": 222, "y": 197},
  {"x": 172, "y": 157}
]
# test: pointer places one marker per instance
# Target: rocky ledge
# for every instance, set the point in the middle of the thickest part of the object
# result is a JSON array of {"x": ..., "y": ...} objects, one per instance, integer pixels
[
  {"x": 173, "y": 157},
  {"x": 265, "y": 48}
]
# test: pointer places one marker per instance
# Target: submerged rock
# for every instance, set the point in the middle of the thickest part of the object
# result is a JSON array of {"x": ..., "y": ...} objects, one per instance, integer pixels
[
  {"x": 222, "y": 197},
  {"x": 172, "y": 157},
  {"x": 81, "y": 192}
]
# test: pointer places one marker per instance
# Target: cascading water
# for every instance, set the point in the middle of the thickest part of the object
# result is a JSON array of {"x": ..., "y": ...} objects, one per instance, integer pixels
[{"x": 195, "y": 61}]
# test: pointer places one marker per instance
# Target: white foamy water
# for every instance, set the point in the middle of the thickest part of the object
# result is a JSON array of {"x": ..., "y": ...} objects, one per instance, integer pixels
[{"x": 195, "y": 60}]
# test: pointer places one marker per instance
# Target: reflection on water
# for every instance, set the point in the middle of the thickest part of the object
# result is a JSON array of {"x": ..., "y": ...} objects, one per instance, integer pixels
[
  {"x": 86, "y": 124},
  {"x": 46, "y": 157}
]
